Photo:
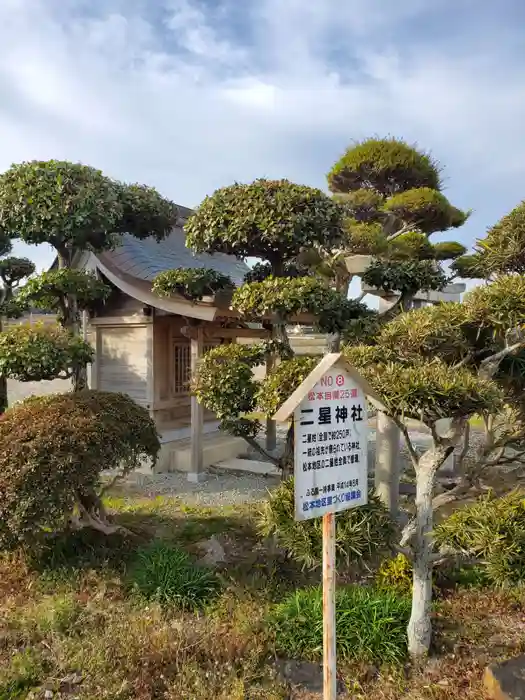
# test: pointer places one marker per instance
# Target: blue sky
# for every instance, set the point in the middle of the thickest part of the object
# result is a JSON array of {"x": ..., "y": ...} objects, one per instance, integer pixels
[{"x": 189, "y": 96}]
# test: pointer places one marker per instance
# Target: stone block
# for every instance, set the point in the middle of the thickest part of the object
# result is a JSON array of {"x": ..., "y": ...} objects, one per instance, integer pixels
[{"x": 506, "y": 681}]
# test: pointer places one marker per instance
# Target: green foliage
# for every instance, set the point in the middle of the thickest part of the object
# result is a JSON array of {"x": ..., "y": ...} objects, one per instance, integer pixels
[
  {"x": 371, "y": 625},
  {"x": 427, "y": 390},
  {"x": 52, "y": 451},
  {"x": 286, "y": 298},
  {"x": 279, "y": 384},
  {"x": 492, "y": 529},
  {"x": 395, "y": 575},
  {"x": 260, "y": 271},
  {"x": 224, "y": 383},
  {"x": 13, "y": 270},
  {"x": 387, "y": 166},
  {"x": 503, "y": 249},
  {"x": 52, "y": 291},
  {"x": 410, "y": 246},
  {"x": 192, "y": 284},
  {"x": 363, "y": 330},
  {"x": 408, "y": 276},
  {"x": 365, "y": 238},
  {"x": 6, "y": 245},
  {"x": 30, "y": 353},
  {"x": 60, "y": 203},
  {"x": 431, "y": 331},
  {"x": 13, "y": 307},
  {"x": 360, "y": 532},
  {"x": 145, "y": 212},
  {"x": 448, "y": 250},
  {"x": 269, "y": 219},
  {"x": 468, "y": 266},
  {"x": 75, "y": 207},
  {"x": 363, "y": 205},
  {"x": 499, "y": 305},
  {"x": 22, "y": 674},
  {"x": 167, "y": 575},
  {"x": 424, "y": 208}
]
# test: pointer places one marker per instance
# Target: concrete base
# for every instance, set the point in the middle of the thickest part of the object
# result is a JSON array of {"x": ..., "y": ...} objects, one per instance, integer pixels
[
  {"x": 175, "y": 455},
  {"x": 197, "y": 477},
  {"x": 251, "y": 466}
]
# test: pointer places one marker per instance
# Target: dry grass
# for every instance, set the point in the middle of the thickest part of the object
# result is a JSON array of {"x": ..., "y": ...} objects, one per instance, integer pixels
[{"x": 69, "y": 624}]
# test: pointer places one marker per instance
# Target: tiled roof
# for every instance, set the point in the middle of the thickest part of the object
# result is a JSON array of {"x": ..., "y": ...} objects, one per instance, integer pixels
[{"x": 144, "y": 259}]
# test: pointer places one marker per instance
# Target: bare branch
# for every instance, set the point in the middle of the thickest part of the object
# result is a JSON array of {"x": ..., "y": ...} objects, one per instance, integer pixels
[
  {"x": 414, "y": 457},
  {"x": 253, "y": 443},
  {"x": 489, "y": 366}
]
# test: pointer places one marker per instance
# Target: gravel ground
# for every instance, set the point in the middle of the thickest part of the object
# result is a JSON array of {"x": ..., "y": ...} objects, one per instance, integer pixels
[{"x": 227, "y": 488}]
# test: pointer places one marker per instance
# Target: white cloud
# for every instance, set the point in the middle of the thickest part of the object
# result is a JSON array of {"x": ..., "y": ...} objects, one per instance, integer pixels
[{"x": 189, "y": 96}]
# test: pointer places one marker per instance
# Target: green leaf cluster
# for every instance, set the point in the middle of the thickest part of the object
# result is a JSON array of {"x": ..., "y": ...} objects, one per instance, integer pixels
[
  {"x": 492, "y": 529},
  {"x": 52, "y": 451},
  {"x": 387, "y": 166},
  {"x": 267, "y": 219},
  {"x": 407, "y": 276},
  {"x": 424, "y": 208},
  {"x": 427, "y": 391},
  {"x": 52, "y": 290},
  {"x": 360, "y": 533},
  {"x": 76, "y": 207},
  {"x": 191, "y": 283},
  {"x": 503, "y": 248},
  {"x": 285, "y": 298},
  {"x": 32, "y": 353}
]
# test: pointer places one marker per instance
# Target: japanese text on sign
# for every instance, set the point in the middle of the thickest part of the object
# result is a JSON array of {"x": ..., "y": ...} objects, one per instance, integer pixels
[{"x": 330, "y": 447}]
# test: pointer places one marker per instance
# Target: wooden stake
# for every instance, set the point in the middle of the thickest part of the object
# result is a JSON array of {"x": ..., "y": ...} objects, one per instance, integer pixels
[{"x": 329, "y": 631}]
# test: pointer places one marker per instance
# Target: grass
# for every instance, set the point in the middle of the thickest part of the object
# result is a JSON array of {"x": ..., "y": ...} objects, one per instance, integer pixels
[
  {"x": 166, "y": 574},
  {"x": 371, "y": 625},
  {"x": 70, "y": 623}
]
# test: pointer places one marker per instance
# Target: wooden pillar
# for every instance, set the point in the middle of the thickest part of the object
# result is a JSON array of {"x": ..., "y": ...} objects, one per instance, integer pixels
[
  {"x": 386, "y": 476},
  {"x": 197, "y": 473}
]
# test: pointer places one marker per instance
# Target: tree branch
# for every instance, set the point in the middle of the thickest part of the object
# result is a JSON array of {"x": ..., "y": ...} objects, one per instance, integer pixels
[
  {"x": 414, "y": 457},
  {"x": 253, "y": 443}
]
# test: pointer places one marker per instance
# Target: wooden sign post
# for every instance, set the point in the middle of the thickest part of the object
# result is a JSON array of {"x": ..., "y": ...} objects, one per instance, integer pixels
[{"x": 331, "y": 468}]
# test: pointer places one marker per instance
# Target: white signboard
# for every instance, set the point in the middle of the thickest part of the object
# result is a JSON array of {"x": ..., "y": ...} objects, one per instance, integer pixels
[{"x": 331, "y": 441}]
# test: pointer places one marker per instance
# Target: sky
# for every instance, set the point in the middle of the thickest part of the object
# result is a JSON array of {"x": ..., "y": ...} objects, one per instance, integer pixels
[{"x": 192, "y": 95}]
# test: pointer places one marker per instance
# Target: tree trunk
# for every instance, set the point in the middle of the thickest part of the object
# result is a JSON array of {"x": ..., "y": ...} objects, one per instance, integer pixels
[
  {"x": 420, "y": 627},
  {"x": 71, "y": 322},
  {"x": 3, "y": 384},
  {"x": 287, "y": 460},
  {"x": 333, "y": 342}
]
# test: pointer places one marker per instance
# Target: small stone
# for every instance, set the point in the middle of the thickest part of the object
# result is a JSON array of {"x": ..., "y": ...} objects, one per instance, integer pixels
[
  {"x": 48, "y": 694},
  {"x": 506, "y": 681},
  {"x": 214, "y": 552}
]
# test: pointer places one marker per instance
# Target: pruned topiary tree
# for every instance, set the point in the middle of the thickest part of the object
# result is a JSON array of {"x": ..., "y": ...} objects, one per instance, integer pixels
[
  {"x": 453, "y": 361},
  {"x": 75, "y": 208},
  {"x": 391, "y": 193},
  {"x": 274, "y": 221},
  {"x": 53, "y": 450}
]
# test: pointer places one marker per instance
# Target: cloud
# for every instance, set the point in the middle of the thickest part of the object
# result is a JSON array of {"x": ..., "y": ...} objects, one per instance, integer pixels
[{"x": 189, "y": 96}]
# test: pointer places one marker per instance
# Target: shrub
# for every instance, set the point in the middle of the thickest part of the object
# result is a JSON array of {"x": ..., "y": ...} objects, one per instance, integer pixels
[
  {"x": 52, "y": 451},
  {"x": 371, "y": 624},
  {"x": 492, "y": 529},
  {"x": 360, "y": 532},
  {"x": 40, "y": 352},
  {"x": 395, "y": 574},
  {"x": 192, "y": 284},
  {"x": 167, "y": 575}
]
